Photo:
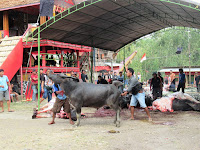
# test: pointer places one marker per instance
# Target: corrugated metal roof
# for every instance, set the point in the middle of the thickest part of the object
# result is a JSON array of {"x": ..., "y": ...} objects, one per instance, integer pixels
[
  {"x": 177, "y": 70},
  {"x": 112, "y": 24}
]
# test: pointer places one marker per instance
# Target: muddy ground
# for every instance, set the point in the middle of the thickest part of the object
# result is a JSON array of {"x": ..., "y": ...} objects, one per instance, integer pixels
[{"x": 168, "y": 131}]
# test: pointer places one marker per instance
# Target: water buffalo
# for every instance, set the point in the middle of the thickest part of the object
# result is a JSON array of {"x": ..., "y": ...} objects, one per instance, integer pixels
[
  {"x": 180, "y": 102},
  {"x": 82, "y": 94}
]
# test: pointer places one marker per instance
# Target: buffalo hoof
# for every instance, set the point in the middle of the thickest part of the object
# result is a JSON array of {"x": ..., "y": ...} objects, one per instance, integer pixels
[
  {"x": 117, "y": 124},
  {"x": 76, "y": 125}
]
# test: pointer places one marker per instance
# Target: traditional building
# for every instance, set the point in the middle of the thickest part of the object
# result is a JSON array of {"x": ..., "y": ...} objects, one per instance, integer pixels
[{"x": 18, "y": 58}]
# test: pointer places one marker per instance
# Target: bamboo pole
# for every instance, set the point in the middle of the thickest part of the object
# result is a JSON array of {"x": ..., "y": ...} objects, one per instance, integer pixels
[{"x": 38, "y": 68}]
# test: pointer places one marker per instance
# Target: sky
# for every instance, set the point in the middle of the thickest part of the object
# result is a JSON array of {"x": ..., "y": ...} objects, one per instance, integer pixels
[{"x": 195, "y": 1}]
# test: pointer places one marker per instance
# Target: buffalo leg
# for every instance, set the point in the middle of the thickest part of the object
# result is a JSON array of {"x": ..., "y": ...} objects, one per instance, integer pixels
[
  {"x": 118, "y": 118},
  {"x": 78, "y": 114}
]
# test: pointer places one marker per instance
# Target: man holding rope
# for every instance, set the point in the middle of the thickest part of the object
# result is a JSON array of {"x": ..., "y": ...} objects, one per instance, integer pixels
[{"x": 135, "y": 88}]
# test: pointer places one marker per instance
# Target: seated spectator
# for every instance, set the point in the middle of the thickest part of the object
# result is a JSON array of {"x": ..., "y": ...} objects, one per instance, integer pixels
[
  {"x": 13, "y": 93},
  {"x": 101, "y": 80}
]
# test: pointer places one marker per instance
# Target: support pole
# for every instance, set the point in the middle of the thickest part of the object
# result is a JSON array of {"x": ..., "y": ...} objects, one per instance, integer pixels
[
  {"x": 21, "y": 82},
  {"x": 61, "y": 62},
  {"x": 38, "y": 68},
  {"x": 124, "y": 65},
  {"x": 189, "y": 57},
  {"x": 44, "y": 57},
  {"x": 91, "y": 67}
]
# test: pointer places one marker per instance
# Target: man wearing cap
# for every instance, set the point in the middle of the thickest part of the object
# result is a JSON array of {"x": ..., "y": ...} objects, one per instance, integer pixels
[
  {"x": 34, "y": 81},
  {"x": 156, "y": 86},
  {"x": 135, "y": 88},
  {"x": 4, "y": 93}
]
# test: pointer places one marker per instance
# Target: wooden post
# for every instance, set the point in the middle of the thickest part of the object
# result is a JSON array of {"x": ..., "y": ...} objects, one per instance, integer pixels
[
  {"x": 61, "y": 61},
  {"x": 43, "y": 57},
  {"x": 42, "y": 19},
  {"x": 78, "y": 64},
  {"x": 5, "y": 23}
]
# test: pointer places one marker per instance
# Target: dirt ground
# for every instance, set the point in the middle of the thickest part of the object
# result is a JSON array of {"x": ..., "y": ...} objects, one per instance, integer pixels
[{"x": 168, "y": 131}]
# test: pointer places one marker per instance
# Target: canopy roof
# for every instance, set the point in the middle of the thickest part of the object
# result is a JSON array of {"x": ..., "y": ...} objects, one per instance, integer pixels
[{"x": 111, "y": 24}]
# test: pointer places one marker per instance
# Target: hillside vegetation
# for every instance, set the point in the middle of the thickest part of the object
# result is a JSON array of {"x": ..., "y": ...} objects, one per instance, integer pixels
[{"x": 160, "y": 49}]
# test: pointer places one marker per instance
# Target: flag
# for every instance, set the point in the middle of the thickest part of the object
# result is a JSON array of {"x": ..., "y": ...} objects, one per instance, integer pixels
[
  {"x": 46, "y": 8},
  {"x": 143, "y": 57},
  {"x": 179, "y": 50}
]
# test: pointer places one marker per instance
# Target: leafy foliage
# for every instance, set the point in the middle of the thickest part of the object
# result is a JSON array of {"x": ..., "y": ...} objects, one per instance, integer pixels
[{"x": 160, "y": 48}]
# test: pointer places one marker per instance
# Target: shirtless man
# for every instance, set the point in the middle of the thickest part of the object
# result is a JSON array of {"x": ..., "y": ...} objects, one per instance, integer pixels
[{"x": 172, "y": 77}]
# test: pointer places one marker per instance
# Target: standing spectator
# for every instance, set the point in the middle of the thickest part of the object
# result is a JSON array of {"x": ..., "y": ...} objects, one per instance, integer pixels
[
  {"x": 101, "y": 80},
  {"x": 34, "y": 81},
  {"x": 120, "y": 77},
  {"x": 61, "y": 101},
  {"x": 13, "y": 93},
  {"x": 182, "y": 80},
  {"x": 84, "y": 76},
  {"x": 72, "y": 73},
  {"x": 42, "y": 81},
  {"x": 162, "y": 82},
  {"x": 115, "y": 77},
  {"x": 47, "y": 87},
  {"x": 166, "y": 79},
  {"x": 106, "y": 76},
  {"x": 111, "y": 75},
  {"x": 135, "y": 88},
  {"x": 197, "y": 81},
  {"x": 172, "y": 81},
  {"x": 156, "y": 86},
  {"x": 101, "y": 74},
  {"x": 4, "y": 93},
  {"x": 172, "y": 77},
  {"x": 75, "y": 77},
  {"x": 139, "y": 76}
]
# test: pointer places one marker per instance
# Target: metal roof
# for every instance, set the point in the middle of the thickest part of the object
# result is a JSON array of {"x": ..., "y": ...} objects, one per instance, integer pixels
[
  {"x": 111, "y": 24},
  {"x": 175, "y": 69}
]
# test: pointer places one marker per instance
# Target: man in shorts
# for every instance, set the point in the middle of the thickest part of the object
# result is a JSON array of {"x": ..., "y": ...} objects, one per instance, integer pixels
[
  {"x": 135, "y": 88},
  {"x": 61, "y": 101},
  {"x": 4, "y": 93}
]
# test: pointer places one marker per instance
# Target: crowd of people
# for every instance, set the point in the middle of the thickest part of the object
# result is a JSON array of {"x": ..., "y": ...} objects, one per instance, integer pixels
[
  {"x": 109, "y": 77},
  {"x": 134, "y": 88}
]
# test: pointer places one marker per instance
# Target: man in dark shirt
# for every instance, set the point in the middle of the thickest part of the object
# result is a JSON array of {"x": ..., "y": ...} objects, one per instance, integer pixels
[
  {"x": 137, "y": 94},
  {"x": 197, "y": 81},
  {"x": 162, "y": 81},
  {"x": 75, "y": 77},
  {"x": 84, "y": 76},
  {"x": 182, "y": 80},
  {"x": 115, "y": 77},
  {"x": 42, "y": 85},
  {"x": 156, "y": 86},
  {"x": 101, "y": 80}
]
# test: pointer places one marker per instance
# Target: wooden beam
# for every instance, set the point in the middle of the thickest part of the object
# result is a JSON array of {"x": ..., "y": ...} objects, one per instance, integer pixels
[
  {"x": 42, "y": 19},
  {"x": 6, "y": 22}
]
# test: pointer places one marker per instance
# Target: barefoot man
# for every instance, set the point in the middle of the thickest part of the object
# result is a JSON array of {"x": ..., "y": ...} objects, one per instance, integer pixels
[
  {"x": 61, "y": 101},
  {"x": 135, "y": 88},
  {"x": 4, "y": 93}
]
